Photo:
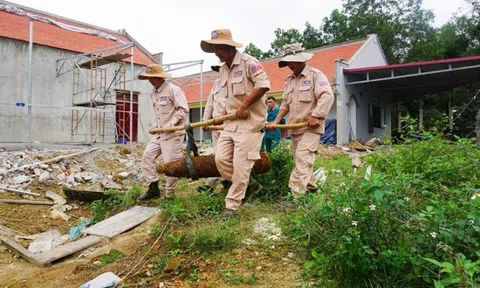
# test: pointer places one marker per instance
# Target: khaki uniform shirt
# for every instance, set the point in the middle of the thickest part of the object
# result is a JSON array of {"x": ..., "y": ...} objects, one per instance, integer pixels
[
  {"x": 171, "y": 108},
  {"x": 215, "y": 104},
  {"x": 307, "y": 95},
  {"x": 236, "y": 83}
]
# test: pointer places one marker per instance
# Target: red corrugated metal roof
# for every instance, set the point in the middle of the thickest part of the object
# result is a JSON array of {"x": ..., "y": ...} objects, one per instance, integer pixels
[
  {"x": 413, "y": 64},
  {"x": 16, "y": 27},
  {"x": 323, "y": 59}
]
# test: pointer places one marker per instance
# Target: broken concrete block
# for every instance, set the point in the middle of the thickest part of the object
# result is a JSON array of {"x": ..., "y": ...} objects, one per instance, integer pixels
[
  {"x": 368, "y": 173},
  {"x": 78, "y": 178},
  {"x": 44, "y": 177},
  {"x": 21, "y": 179},
  {"x": 55, "y": 214},
  {"x": 44, "y": 242},
  {"x": 55, "y": 197},
  {"x": 105, "y": 280},
  {"x": 123, "y": 175},
  {"x": 58, "y": 207},
  {"x": 122, "y": 221},
  {"x": 71, "y": 180},
  {"x": 321, "y": 175},
  {"x": 86, "y": 176},
  {"x": 61, "y": 176},
  {"x": 37, "y": 171}
]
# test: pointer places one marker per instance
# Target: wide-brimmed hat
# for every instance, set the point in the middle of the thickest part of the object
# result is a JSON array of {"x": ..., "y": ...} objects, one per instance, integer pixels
[
  {"x": 216, "y": 67},
  {"x": 294, "y": 53},
  {"x": 218, "y": 37},
  {"x": 154, "y": 71}
]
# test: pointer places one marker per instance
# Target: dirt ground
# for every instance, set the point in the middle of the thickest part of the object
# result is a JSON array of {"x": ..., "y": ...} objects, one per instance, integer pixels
[
  {"x": 265, "y": 268},
  {"x": 269, "y": 269}
]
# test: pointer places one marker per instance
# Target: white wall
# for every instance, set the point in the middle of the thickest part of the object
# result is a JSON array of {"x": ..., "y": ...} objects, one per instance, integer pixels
[
  {"x": 369, "y": 55},
  {"x": 50, "y": 125}
]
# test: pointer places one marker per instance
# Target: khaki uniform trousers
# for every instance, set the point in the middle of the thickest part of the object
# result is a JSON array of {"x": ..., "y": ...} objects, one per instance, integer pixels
[
  {"x": 171, "y": 149},
  {"x": 304, "y": 147},
  {"x": 235, "y": 156}
]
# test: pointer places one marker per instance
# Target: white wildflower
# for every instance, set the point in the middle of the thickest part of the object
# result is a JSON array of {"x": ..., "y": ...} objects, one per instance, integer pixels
[
  {"x": 406, "y": 199},
  {"x": 434, "y": 235},
  {"x": 354, "y": 223},
  {"x": 346, "y": 210},
  {"x": 373, "y": 207}
]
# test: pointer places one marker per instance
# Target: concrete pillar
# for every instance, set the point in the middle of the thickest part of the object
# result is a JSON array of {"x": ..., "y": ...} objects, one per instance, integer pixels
[
  {"x": 477, "y": 127},
  {"x": 341, "y": 92},
  {"x": 450, "y": 113},
  {"x": 420, "y": 115},
  {"x": 399, "y": 118}
]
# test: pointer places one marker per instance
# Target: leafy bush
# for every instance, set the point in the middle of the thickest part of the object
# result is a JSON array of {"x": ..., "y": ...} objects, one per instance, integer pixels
[
  {"x": 275, "y": 181},
  {"x": 418, "y": 211},
  {"x": 118, "y": 201}
]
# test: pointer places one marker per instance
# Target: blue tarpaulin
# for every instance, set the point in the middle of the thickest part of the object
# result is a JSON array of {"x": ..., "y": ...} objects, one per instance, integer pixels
[{"x": 330, "y": 136}]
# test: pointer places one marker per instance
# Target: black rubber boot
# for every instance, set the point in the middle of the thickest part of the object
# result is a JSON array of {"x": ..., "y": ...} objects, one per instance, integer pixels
[
  {"x": 152, "y": 192},
  {"x": 226, "y": 184}
]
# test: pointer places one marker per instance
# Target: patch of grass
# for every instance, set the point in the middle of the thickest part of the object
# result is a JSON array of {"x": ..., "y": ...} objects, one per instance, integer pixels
[
  {"x": 192, "y": 207},
  {"x": 160, "y": 264},
  {"x": 118, "y": 202},
  {"x": 111, "y": 257},
  {"x": 209, "y": 237}
]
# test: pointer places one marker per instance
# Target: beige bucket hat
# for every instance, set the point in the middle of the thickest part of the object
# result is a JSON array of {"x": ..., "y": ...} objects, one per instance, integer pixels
[
  {"x": 218, "y": 37},
  {"x": 154, "y": 71},
  {"x": 294, "y": 53},
  {"x": 216, "y": 67}
]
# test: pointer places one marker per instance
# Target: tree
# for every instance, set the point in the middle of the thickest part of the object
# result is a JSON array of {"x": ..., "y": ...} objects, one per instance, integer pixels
[
  {"x": 256, "y": 52},
  {"x": 312, "y": 37},
  {"x": 253, "y": 50},
  {"x": 284, "y": 37}
]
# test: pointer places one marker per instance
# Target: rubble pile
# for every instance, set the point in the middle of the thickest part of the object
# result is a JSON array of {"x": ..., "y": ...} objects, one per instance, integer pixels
[{"x": 106, "y": 168}]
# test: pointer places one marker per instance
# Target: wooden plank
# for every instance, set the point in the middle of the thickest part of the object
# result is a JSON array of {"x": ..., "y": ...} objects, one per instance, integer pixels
[
  {"x": 19, "y": 250},
  {"x": 18, "y": 191},
  {"x": 28, "y": 202},
  {"x": 65, "y": 250},
  {"x": 122, "y": 222}
]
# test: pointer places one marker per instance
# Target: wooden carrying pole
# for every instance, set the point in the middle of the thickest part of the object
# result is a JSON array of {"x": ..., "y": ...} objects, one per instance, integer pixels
[
  {"x": 276, "y": 126},
  {"x": 196, "y": 124}
]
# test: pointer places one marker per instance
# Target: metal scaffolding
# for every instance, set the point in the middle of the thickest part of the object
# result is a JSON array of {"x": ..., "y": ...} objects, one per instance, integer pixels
[{"x": 97, "y": 96}]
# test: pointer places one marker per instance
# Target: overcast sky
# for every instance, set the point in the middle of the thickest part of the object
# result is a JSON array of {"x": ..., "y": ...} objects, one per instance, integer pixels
[{"x": 176, "y": 27}]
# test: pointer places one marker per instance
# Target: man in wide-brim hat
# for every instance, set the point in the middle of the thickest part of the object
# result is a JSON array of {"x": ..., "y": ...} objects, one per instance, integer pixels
[
  {"x": 171, "y": 109},
  {"x": 308, "y": 97},
  {"x": 215, "y": 108},
  {"x": 243, "y": 83}
]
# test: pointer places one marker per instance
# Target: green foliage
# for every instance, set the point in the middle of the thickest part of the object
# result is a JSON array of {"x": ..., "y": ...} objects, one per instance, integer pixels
[
  {"x": 117, "y": 202},
  {"x": 208, "y": 236},
  {"x": 275, "y": 181},
  {"x": 111, "y": 257},
  {"x": 197, "y": 206},
  {"x": 420, "y": 202}
]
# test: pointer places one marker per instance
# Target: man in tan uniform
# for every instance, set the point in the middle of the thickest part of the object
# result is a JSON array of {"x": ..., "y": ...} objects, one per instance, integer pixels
[
  {"x": 171, "y": 109},
  {"x": 215, "y": 108},
  {"x": 308, "y": 97},
  {"x": 243, "y": 83}
]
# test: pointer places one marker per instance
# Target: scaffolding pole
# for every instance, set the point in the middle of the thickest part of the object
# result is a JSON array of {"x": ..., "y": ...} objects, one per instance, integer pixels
[
  {"x": 201, "y": 99},
  {"x": 30, "y": 84},
  {"x": 131, "y": 96}
]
